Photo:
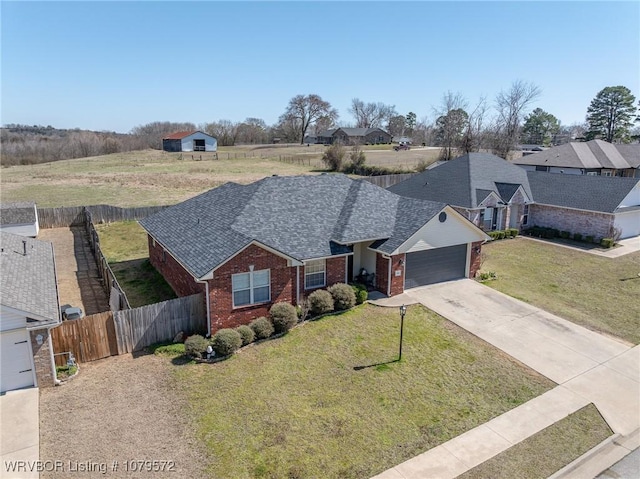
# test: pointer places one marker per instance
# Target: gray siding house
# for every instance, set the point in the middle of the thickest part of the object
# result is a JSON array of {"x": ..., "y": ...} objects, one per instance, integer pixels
[{"x": 351, "y": 136}]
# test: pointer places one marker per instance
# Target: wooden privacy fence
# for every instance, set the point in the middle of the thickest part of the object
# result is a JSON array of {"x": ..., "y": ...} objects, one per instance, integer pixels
[
  {"x": 117, "y": 298},
  {"x": 111, "y": 333},
  {"x": 140, "y": 327},
  {"x": 385, "y": 181},
  {"x": 75, "y": 215},
  {"x": 90, "y": 338}
]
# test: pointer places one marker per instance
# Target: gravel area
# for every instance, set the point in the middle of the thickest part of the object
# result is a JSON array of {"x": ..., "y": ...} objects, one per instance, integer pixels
[{"x": 122, "y": 408}]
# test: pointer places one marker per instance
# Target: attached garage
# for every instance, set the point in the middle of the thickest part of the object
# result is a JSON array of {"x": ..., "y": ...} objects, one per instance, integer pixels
[
  {"x": 16, "y": 360},
  {"x": 628, "y": 222},
  {"x": 435, "y": 265}
]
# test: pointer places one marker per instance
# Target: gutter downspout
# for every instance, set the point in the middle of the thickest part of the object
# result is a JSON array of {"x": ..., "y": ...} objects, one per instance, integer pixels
[
  {"x": 206, "y": 285},
  {"x": 298, "y": 285}
]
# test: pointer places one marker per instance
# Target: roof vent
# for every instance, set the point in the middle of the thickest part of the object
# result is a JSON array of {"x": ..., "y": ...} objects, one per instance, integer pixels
[
  {"x": 274, "y": 175},
  {"x": 24, "y": 247}
]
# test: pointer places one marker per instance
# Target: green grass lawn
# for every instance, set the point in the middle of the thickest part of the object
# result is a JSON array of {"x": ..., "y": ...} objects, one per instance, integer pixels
[
  {"x": 548, "y": 451},
  {"x": 296, "y": 407},
  {"x": 125, "y": 246},
  {"x": 596, "y": 292}
]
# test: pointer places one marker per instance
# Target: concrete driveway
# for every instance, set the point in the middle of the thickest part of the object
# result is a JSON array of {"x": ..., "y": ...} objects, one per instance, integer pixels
[
  {"x": 597, "y": 367},
  {"x": 587, "y": 366},
  {"x": 19, "y": 432}
]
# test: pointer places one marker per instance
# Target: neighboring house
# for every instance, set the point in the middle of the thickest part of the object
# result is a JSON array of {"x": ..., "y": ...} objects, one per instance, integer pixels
[
  {"x": 402, "y": 140},
  {"x": 278, "y": 239},
  {"x": 352, "y": 136},
  {"x": 29, "y": 308},
  {"x": 494, "y": 194},
  {"x": 19, "y": 218},
  {"x": 595, "y": 157},
  {"x": 589, "y": 205},
  {"x": 490, "y": 192},
  {"x": 189, "y": 141}
]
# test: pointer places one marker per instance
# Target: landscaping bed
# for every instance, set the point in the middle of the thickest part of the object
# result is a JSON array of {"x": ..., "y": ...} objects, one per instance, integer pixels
[
  {"x": 596, "y": 292},
  {"x": 328, "y": 399}
]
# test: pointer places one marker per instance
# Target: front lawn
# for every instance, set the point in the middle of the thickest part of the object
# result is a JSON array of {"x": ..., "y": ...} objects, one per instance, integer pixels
[
  {"x": 124, "y": 244},
  {"x": 303, "y": 406},
  {"x": 598, "y": 293}
]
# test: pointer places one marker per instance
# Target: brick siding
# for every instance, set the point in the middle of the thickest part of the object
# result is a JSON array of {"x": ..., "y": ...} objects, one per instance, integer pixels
[
  {"x": 474, "y": 262},
  {"x": 382, "y": 274},
  {"x": 44, "y": 369},
  {"x": 181, "y": 281},
  {"x": 587, "y": 223},
  {"x": 398, "y": 263}
]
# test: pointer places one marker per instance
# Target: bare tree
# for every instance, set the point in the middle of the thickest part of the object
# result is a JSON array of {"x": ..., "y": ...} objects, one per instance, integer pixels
[
  {"x": 151, "y": 134},
  {"x": 474, "y": 135},
  {"x": 225, "y": 131},
  {"x": 371, "y": 115},
  {"x": 451, "y": 124},
  {"x": 252, "y": 131},
  {"x": 304, "y": 111},
  {"x": 512, "y": 105}
]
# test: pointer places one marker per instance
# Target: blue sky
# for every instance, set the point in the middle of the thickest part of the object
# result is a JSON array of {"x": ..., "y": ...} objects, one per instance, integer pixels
[{"x": 115, "y": 65}]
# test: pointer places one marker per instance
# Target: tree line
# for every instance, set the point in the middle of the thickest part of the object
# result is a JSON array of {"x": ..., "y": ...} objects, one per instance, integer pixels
[{"x": 455, "y": 125}]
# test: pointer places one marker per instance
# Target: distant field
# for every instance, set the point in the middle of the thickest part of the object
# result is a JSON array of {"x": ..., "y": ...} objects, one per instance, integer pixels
[{"x": 152, "y": 177}]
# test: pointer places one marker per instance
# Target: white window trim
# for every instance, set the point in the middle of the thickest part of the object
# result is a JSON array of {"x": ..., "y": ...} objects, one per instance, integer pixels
[
  {"x": 525, "y": 215},
  {"x": 324, "y": 283},
  {"x": 251, "y": 288}
]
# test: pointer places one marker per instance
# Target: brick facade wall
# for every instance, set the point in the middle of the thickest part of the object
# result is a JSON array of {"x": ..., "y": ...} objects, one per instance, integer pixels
[
  {"x": 382, "y": 274},
  {"x": 283, "y": 287},
  {"x": 44, "y": 369},
  {"x": 474, "y": 262},
  {"x": 398, "y": 263},
  {"x": 587, "y": 223},
  {"x": 178, "y": 278}
]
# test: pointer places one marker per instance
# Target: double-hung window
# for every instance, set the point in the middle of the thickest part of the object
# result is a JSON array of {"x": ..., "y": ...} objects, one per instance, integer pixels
[
  {"x": 315, "y": 274},
  {"x": 251, "y": 288}
]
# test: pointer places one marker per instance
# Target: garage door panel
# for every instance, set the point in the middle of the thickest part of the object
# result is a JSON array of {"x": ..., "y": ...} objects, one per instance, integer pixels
[
  {"x": 15, "y": 361},
  {"x": 435, "y": 265},
  {"x": 629, "y": 224}
]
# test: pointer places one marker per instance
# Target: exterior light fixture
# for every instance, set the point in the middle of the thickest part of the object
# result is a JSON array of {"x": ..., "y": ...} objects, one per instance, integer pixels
[{"x": 403, "y": 311}]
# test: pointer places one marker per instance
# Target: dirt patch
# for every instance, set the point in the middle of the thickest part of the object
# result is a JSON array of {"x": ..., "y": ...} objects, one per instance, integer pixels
[
  {"x": 118, "y": 409},
  {"x": 79, "y": 283}
]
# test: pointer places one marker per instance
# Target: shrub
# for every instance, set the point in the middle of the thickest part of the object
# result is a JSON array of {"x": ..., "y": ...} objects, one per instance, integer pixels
[
  {"x": 246, "y": 333},
  {"x": 283, "y": 316},
  {"x": 343, "y": 296},
  {"x": 195, "y": 345},
  {"x": 501, "y": 234},
  {"x": 334, "y": 157},
  {"x": 577, "y": 236},
  {"x": 262, "y": 327},
  {"x": 173, "y": 349},
  {"x": 512, "y": 232},
  {"x": 607, "y": 242},
  {"x": 589, "y": 239},
  {"x": 320, "y": 302},
  {"x": 422, "y": 165},
  {"x": 303, "y": 310},
  {"x": 226, "y": 341},
  {"x": 361, "y": 292},
  {"x": 565, "y": 234}
]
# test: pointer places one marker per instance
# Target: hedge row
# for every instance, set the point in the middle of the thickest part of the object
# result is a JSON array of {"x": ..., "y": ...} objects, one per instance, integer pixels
[
  {"x": 502, "y": 234},
  {"x": 551, "y": 233}
]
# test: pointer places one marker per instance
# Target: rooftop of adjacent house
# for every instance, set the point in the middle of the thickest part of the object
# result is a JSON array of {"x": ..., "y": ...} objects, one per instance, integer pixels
[
  {"x": 466, "y": 181},
  {"x": 592, "y": 193},
  {"x": 28, "y": 280},
  {"x": 592, "y": 154},
  {"x": 17, "y": 213},
  {"x": 179, "y": 135},
  {"x": 349, "y": 131},
  {"x": 302, "y": 217}
]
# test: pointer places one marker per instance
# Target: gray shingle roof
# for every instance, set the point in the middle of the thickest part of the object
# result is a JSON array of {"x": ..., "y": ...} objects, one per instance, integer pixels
[
  {"x": 303, "y": 217},
  {"x": 465, "y": 181},
  {"x": 592, "y": 193},
  {"x": 28, "y": 282},
  {"x": 592, "y": 154},
  {"x": 17, "y": 213}
]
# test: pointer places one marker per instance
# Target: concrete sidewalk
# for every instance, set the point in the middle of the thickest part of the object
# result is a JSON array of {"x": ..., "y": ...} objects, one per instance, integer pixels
[
  {"x": 587, "y": 366},
  {"x": 19, "y": 431}
]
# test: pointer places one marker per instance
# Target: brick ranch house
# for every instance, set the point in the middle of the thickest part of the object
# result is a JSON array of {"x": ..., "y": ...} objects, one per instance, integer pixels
[
  {"x": 495, "y": 194},
  {"x": 278, "y": 239},
  {"x": 29, "y": 309}
]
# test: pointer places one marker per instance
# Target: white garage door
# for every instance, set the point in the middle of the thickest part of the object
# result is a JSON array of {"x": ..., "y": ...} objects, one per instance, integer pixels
[
  {"x": 16, "y": 363},
  {"x": 629, "y": 223}
]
